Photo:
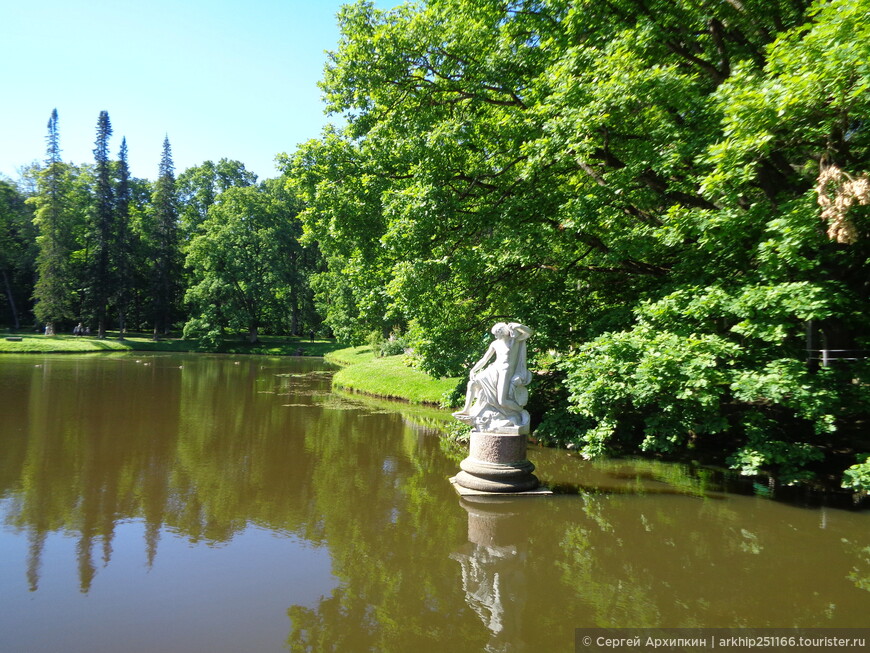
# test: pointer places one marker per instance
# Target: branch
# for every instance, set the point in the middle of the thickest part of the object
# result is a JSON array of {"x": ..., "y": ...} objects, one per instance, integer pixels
[
  {"x": 717, "y": 32},
  {"x": 703, "y": 64}
]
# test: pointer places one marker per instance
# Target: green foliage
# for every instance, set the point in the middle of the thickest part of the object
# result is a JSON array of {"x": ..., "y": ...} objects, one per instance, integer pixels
[
  {"x": 103, "y": 229},
  {"x": 17, "y": 255},
  {"x": 234, "y": 263},
  {"x": 668, "y": 384},
  {"x": 395, "y": 345},
  {"x": 248, "y": 269},
  {"x": 199, "y": 186},
  {"x": 857, "y": 477},
  {"x": 763, "y": 451},
  {"x": 107, "y": 249},
  {"x": 346, "y": 228},
  {"x": 164, "y": 239},
  {"x": 637, "y": 184},
  {"x": 704, "y": 361},
  {"x": 553, "y": 423},
  {"x": 53, "y": 217},
  {"x": 208, "y": 335}
]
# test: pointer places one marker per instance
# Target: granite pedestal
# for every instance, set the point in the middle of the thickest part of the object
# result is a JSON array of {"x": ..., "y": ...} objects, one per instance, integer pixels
[{"x": 497, "y": 463}]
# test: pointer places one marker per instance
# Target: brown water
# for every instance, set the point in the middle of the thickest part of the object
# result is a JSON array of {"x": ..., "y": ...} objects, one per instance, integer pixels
[{"x": 198, "y": 503}]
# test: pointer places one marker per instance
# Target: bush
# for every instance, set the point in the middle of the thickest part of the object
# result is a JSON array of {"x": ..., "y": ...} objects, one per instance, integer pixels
[
  {"x": 395, "y": 345},
  {"x": 202, "y": 331},
  {"x": 708, "y": 361},
  {"x": 857, "y": 477}
]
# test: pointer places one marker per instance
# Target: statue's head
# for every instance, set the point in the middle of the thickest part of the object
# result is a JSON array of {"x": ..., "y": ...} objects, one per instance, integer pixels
[{"x": 500, "y": 329}]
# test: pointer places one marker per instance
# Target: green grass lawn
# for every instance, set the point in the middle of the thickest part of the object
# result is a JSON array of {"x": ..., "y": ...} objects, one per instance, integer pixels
[
  {"x": 268, "y": 345},
  {"x": 389, "y": 377},
  {"x": 35, "y": 344}
]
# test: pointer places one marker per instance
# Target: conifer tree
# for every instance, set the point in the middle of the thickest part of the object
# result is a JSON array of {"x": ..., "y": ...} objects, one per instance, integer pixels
[
  {"x": 52, "y": 290},
  {"x": 101, "y": 272},
  {"x": 122, "y": 252},
  {"x": 166, "y": 255}
]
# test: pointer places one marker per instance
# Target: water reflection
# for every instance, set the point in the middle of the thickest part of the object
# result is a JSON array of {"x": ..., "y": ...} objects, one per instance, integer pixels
[
  {"x": 148, "y": 439},
  {"x": 493, "y": 569},
  {"x": 272, "y": 514}
]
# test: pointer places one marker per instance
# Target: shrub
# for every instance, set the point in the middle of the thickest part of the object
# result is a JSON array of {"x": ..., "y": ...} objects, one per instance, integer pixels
[
  {"x": 395, "y": 345},
  {"x": 857, "y": 477},
  {"x": 705, "y": 361},
  {"x": 206, "y": 334}
]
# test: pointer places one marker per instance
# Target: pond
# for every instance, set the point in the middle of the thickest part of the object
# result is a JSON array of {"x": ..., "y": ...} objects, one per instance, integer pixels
[{"x": 211, "y": 503}]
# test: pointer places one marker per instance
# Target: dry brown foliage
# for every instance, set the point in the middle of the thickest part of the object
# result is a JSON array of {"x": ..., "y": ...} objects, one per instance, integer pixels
[{"x": 838, "y": 191}]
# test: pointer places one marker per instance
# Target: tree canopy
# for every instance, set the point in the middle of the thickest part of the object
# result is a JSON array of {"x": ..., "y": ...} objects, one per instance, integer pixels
[
  {"x": 247, "y": 266},
  {"x": 673, "y": 193},
  {"x": 108, "y": 250}
]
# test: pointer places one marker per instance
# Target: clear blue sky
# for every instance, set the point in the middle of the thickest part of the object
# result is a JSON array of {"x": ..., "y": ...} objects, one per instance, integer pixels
[{"x": 221, "y": 78}]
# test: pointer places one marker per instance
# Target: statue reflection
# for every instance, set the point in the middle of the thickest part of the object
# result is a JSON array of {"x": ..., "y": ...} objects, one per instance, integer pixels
[{"x": 493, "y": 569}]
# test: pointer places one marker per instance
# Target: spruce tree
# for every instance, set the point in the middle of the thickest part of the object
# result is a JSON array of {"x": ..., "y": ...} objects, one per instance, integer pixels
[
  {"x": 166, "y": 255},
  {"x": 123, "y": 250},
  {"x": 52, "y": 292},
  {"x": 100, "y": 269}
]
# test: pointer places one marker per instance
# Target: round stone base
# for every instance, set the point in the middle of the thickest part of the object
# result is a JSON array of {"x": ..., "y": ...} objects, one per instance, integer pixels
[
  {"x": 497, "y": 463},
  {"x": 496, "y": 477}
]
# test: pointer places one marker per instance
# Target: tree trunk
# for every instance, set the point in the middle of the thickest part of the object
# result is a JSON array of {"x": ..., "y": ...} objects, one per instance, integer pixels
[
  {"x": 253, "y": 335},
  {"x": 294, "y": 315},
  {"x": 11, "y": 301}
]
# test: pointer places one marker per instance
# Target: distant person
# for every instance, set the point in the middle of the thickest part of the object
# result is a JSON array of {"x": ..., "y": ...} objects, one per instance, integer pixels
[{"x": 79, "y": 330}]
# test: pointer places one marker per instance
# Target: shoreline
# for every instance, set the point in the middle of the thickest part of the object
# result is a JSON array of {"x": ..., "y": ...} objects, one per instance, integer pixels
[{"x": 388, "y": 377}]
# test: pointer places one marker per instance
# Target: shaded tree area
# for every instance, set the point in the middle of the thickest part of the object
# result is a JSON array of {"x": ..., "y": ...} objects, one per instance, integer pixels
[
  {"x": 17, "y": 254},
  {"x": 673, "y": 193},
  {"x": 211, "y": 252}
]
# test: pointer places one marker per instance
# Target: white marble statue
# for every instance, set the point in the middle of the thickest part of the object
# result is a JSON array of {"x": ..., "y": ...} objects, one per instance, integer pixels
[{"x": 496, "y": 394}]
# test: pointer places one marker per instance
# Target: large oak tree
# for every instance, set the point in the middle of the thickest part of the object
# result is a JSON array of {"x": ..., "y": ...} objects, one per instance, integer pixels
[{"x": 640, "y": 180}]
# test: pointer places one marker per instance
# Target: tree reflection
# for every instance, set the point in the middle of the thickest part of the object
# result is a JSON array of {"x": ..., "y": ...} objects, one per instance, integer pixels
[
  {"x": 379, "y": 501},
  {"x": 203, "y": 451}
]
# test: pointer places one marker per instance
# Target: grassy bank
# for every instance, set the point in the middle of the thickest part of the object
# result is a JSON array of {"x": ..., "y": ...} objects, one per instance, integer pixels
[
  {"x": 387, "y": 377},
  {"x": 268, "y": 345}
]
